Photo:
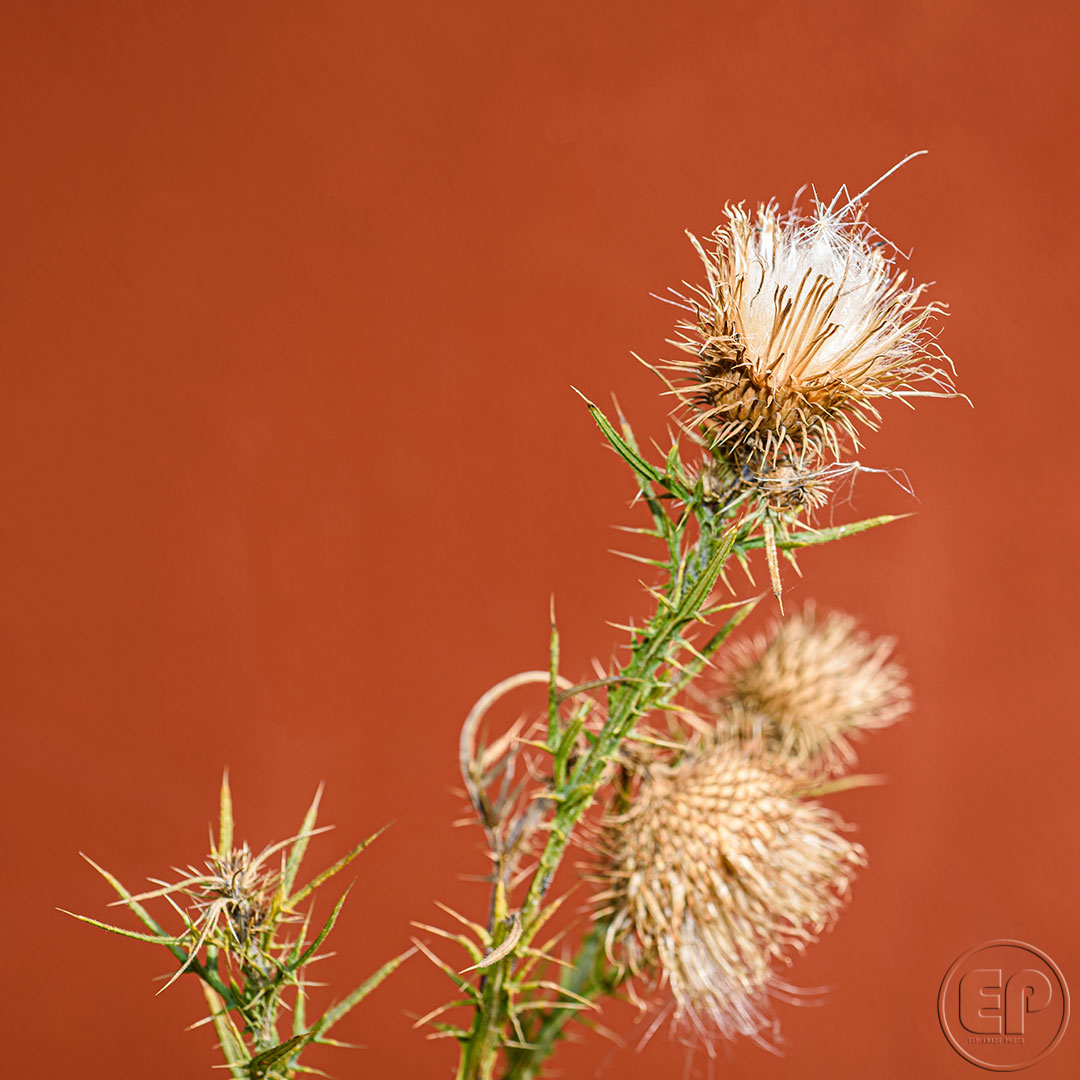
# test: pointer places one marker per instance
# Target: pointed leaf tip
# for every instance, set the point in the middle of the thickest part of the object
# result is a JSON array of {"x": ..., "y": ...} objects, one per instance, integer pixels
[{"x": 225, "y": 822}]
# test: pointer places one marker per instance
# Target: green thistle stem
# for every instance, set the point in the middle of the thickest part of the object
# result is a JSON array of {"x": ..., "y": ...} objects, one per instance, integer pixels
[
  {"x": 589, "y": 979},
  {"x": 662, "y": 663},
  {"x": 639, "y": 688}
]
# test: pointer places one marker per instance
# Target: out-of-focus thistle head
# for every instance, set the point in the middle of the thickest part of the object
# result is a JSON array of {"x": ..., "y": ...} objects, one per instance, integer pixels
[
  {"x": 802, "y": 325},
  {"x": 229, "y": 903},
  {"x": 716, "y": 872},
  {"x": 238, "y": 885},
  {"x": 810, "y": 685}
]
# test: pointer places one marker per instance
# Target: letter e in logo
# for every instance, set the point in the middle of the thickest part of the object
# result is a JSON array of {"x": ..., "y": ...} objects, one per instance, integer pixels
[{"x": 974, "y": 998}]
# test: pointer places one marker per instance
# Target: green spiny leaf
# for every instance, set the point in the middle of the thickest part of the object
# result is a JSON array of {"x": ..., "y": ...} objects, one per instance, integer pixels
[
  {"x": 344, "y": 861},
  {"x": 702, "y": 655},
  {"x": 448, "y": 1031},
  {"x": 811, "y": 538},
  {"x": 636, "y": 462},
  {"x": 298, "y": 945},
  {"x": 310, "y": 951},
  {"x": 553, "y": 681},
  {"x": 155, "y": 939},
  {"x": 259, "y": 1066},
  {"x": 232, "y": 1044},
  {"x": 296, "y": 854},
  {"x": 225, "y": 821},
  {"x": 145, "y": 916},
  {"x": 428, "y": 1017},
  {"x": 480, "y": 931},
  {"x": 467, "y": 944},
  {"x": 300, "y": 1009},
  {"x": 149, "y": 921}
]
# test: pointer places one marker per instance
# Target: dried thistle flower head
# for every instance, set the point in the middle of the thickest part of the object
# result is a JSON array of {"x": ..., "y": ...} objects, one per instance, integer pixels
[
  {"x": 812, "y": 684},
  {"x": 715, "y": 873},
  {"x": 229, "y": 903},
  {"x": 233, "y": 912},
  {"x": 803, "y": 323}
]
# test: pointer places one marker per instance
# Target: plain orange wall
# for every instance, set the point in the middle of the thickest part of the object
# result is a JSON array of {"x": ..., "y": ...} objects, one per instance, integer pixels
[{"x": 293, "y": 297}]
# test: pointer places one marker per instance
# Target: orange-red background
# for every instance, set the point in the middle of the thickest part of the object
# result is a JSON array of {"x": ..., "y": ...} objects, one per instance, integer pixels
[{"x": 293, "y": 297}]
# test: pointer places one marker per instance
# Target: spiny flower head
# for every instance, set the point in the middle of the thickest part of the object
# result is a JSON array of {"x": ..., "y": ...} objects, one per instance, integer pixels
[
  {"x": 239, "y": 886},
  {"x": 718, "y": 869},
  {"x": 802, "y": 325},
  {"x": 228, "y": 903},
  {"x": 811, "y": 684}
]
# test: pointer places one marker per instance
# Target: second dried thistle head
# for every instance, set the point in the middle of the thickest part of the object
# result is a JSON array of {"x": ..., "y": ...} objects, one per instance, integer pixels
[
  {"x": 719, "y": 864},
  {"x": 811, "y": 686},
  {"x": 718, "y": 870}
]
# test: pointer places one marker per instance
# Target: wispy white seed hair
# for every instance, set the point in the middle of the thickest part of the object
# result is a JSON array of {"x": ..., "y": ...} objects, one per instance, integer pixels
[
  {"x": 802, "y": 324},
  {"x": 718, "y": 870},
  {"x": 811, "y": 684}
]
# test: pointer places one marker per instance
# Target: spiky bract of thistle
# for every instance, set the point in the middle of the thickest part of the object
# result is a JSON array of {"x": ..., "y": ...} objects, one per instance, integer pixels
[
  {"x": 231, "y": 900},
  {"x": 716, "y": 872},
  {"x": 812, "y": 684},
  {"x": 803, "y": 323},
  {"x": 787, "y": 484}
]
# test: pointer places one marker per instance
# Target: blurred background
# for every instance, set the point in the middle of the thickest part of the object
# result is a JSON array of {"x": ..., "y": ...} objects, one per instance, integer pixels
[{"x": 293, "y": 299}]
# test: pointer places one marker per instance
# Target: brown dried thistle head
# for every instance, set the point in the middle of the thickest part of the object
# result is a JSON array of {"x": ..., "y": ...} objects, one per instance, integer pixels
[
  {"x": 241, "y": 887},
  {"x": 716, "y": 872},
  {"x": 229, "y": 902},
  {"x": 803, "y": 323},
  {"x": 812, "y": 684}
]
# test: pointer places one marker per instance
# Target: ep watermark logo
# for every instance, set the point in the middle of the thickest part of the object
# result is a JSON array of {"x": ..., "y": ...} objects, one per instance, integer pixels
[{"x": 1003, "y": 1005}]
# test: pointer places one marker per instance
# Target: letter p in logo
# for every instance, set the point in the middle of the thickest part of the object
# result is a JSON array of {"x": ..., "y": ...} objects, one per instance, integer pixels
[{"x": 1027, "y": 991}]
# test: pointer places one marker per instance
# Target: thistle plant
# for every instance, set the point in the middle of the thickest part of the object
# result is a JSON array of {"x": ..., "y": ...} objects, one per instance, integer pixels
[
  {"x": 686, "y": 774},
  {"x": 697, "y": 809},
  {"x": 247, "y": 934}
]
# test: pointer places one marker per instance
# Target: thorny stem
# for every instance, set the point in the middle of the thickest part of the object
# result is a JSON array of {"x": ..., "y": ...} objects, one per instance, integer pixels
[
  {"x": 480, "y": 1053},
  {"x": 635, "y": 692},
  {"x": 662, "y": 662},
  {"x": 583, "y": 982}
]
